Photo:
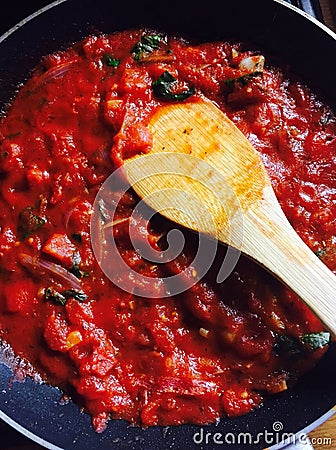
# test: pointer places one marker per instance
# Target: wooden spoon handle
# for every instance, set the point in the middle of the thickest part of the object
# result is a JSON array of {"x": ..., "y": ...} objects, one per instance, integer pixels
[
  {"x": 271, "y": 240},
  {"x": 224, "y": 172}
]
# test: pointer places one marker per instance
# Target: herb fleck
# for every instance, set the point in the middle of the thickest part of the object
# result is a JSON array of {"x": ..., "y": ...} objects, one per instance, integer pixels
[
  {"x": 163, "y": 86},
  {"x": 51, "y": 294},
  {"x": 320, "y": 253},
  {"x": 147, "y": 44},
  {"x": 244, "y": 79},
  {"x": 111, "y": 61},
  {"x": 71, "y": 293},
  {"x": 292, "y": 347},
  {"x": 75, "y": 269},
  {"x": 287, "y": 346},
  {"x": 316, "y": 340},
  {"x": 29, "y": 222}
]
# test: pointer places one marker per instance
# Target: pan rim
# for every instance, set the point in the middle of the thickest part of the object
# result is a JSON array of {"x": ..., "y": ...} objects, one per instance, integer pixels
[
  {"x": 307, "y": 16},
  {"x": 27, "y": 19},
  {"x": 27, "y": 433}
]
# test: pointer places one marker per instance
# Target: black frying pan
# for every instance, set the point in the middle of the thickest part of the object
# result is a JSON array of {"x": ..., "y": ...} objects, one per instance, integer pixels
[{"x": 269, "y": 25}]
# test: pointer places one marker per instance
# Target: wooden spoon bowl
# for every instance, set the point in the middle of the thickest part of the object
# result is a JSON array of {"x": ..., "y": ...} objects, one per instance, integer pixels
[{"x": 198, "y": 150}]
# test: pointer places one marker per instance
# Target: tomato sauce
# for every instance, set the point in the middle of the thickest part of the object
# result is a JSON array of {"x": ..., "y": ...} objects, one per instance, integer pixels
[{"x": 215, "y": 350}]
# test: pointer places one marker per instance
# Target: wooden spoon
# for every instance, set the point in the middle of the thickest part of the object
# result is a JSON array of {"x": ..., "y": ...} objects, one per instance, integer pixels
[{"x": 213, "y": 181}]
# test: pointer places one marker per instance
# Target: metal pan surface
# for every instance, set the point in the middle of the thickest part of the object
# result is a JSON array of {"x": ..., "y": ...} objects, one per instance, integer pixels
[{"x": 271, "y": 25}]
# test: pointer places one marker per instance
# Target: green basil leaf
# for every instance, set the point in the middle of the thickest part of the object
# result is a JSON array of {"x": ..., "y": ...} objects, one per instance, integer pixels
[
  {"x": 162, "y": 88},
  {"x": 110, "y": 61},
  {"x": 71, "y": 293},
  {"x": 146, "y": 45},
  {"x": 76, "y": 270},
  {"x": 288, "y": 346},
  {"x": 316, "y": 340},
  {"x": 29, "y": 222},
  {"x": 52, "y": 294},
  {"x": 151, "y": 40},
  {"x": 321, "y": 253}
]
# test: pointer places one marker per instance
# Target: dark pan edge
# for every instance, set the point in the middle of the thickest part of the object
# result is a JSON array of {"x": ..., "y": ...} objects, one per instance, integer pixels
[
  {"x": 328, "y": 415},
  {"x": 29, "y": 18},
  {"x": 27, "y": 433},
  {"x": 306, "y": 15}
]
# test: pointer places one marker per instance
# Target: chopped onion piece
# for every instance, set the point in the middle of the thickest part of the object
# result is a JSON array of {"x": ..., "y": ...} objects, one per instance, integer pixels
[
  {"x": 252, "y": 63},
  {"x": 46, "y": 267},
  {"x": 204, "y": 332},
  {"x": 55, "y": 72}
]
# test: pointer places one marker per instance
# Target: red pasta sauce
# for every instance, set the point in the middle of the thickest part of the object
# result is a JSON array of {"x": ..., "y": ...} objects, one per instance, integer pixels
[{"x": 215, "y": 350}]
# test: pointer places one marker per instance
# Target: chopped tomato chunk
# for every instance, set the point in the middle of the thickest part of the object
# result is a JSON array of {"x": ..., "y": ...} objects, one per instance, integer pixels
[{"x": 61, "y": 248}]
